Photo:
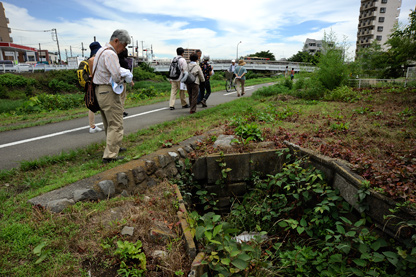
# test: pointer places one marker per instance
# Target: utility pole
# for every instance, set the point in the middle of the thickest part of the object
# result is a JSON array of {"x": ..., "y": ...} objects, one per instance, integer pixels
[
  {"x": 40, "y": 51},
  {"x": 137, "y": 48},
  {"x": 70, "y": 50},
  {"x": 142, "y": 49},
  {"x": 83, "y": 49},
  {"x": 59, "y": 51},
  {"x": 66, "y": 55}
]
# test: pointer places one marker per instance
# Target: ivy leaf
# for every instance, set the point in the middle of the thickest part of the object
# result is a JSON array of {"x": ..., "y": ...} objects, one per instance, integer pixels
[
  {"x": 303, "y": 222},
  {"x": 199, "y": 232},
  {"x": 340, "y": 229},
  {"x": 350, "y": 234},
  {"x": 225, "y": 261},
  {"x": 282, "y": 224},
  {"x": 356, "y": 271},
  {"x": 346, "y": 220},
  {"x": 216, "y": 230},
  {"x": 215, "y": 218},
  {"x": 38, "y": 249},
  {"x": 42, "y": 257},
  {"x": 377, "y": 257},
  {"x": 360, "y": 262},
  {"x": 359, "y": 222},
  {"x": 378, "y": 244},
  {"x": 336, "y": 258},
  {"x": 300, "y": 230},
  {"x": 240, "y": 264},
  {"x": 363, "y": 248},
  {"x": 208, "y": 235},
  {"x": 392, "y": 257},
  {"x": 244, "y": 257}
]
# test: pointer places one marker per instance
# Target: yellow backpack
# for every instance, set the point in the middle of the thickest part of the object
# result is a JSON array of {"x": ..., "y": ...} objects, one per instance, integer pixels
[{"x": 83, "y": 73}]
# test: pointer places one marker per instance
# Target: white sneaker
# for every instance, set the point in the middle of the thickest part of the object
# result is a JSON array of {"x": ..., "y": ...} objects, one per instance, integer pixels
[{"x": 95, "y": 130}]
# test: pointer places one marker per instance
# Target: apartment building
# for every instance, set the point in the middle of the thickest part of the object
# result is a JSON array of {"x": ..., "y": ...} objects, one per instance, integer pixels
[
  {"x": 313, "y": 46},
  {"x": 376, "y": 21},
  {"x": 4, "y": 28},
  {"x": 8, "y": 49}
]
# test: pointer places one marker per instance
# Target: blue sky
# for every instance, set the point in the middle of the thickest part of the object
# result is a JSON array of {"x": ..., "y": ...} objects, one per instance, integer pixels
[{"x": 215, "y": 27}]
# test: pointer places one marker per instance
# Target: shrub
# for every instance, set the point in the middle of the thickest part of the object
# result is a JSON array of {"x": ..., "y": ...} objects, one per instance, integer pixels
[
  {"x": 10, "y": 80},
  {"x": 288, "y": 83},
  {"x": 270, "y": 91},
  {"x": 312, "y": 89},
  {"x": 343, "y": 93},
  {"x": 49, "y": 102},
  {"x": 218, "y": 75},
  {"x": 60, "y": 86}
]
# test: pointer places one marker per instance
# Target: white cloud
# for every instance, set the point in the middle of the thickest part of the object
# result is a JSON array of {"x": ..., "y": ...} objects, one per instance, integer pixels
[{"x": 167, "y": 24}]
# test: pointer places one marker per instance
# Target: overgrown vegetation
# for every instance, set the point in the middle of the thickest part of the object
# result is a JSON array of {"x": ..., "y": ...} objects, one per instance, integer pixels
[{"x": 295, "y": 224}]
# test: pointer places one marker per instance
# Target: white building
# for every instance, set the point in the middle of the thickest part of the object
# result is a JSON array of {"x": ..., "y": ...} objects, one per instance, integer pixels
[
  {"x": 376, "y": 21},
  {"x": 313, "y": 46}
]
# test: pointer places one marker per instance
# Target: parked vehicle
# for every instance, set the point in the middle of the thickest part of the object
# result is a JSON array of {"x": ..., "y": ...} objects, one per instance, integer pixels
[{"x": 7, "y": 66}]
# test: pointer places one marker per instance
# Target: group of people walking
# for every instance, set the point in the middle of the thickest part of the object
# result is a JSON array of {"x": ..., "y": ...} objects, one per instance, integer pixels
[{"x": 200, "y": 90}]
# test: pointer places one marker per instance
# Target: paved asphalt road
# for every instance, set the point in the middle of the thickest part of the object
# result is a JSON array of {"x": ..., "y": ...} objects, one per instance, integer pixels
[{"x": 35, "y": 142}]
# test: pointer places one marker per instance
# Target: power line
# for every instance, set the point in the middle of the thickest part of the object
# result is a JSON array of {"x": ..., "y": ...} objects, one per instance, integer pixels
[{"x": 43, "y": 31}]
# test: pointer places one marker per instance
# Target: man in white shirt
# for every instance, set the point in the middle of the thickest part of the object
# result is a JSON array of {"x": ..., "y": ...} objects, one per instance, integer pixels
[
  {"x": 176, "y": 83},
  {"x": 107, "y": 66},
  {"x": 232, "y": 66}
]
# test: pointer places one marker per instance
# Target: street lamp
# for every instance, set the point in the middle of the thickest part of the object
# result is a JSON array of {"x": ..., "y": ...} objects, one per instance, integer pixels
[
  {"x": 132, "y": 48},
  {"x": 237, "y": 49}
]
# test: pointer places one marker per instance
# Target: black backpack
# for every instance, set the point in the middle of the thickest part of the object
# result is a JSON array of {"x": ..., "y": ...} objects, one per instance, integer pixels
[{"x": 174, "y": 69}]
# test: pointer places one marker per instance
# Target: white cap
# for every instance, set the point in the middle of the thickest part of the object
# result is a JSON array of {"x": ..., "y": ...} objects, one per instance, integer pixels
[{"x": 233, "y": 61}]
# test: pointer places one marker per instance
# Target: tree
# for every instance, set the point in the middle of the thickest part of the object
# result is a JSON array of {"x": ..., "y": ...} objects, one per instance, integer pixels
[
  {"x": 332, "y": 68},
  {"x": 305, "y": 57},
  {"x": 402, "y": 47},
  {"x": 373, "y": 61},
  {"x": 264, "y": 54}
]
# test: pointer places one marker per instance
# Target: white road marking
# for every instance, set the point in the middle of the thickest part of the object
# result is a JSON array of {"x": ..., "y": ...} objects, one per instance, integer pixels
[
  {"x": 246, "y": 89},
  {"x": 72, "y": 130}
]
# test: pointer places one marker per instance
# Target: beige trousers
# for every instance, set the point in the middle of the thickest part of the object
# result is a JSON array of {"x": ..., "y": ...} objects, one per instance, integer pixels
[
  {"x": 239, "y": 85},
  {"x": 112, "y": 115},
  {"x": 91, "y": 119},
  {"x": 123, "y": 95},
  {"x": 176, "y": 85}
]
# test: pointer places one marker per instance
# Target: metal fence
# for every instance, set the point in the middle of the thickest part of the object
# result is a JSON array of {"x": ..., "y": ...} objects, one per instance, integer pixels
[
  {"x": 369, "y": 83},
  {"x": 4, "y": 68}
]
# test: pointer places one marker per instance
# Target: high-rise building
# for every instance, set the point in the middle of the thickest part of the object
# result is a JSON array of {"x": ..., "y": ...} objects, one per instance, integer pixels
[
  {"x": 376, "y": 21},
  {"x": 4, "y": 28}
]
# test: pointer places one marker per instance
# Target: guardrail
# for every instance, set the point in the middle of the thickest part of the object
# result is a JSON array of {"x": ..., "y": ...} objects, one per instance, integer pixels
[
  {"x": 31, "y": 68},
  {"x": 249, "y": 66}
]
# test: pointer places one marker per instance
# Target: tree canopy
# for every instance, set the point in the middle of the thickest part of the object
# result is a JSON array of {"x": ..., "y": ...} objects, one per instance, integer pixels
[
  {"x": 305, "y": 57},
  {"x": 264, "y": 54}
]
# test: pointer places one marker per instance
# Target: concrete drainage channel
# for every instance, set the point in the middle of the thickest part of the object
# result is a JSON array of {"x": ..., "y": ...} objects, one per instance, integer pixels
[{"x": 137, "y": 175}]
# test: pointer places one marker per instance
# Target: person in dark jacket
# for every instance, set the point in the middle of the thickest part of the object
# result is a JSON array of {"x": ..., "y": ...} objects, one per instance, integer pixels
[
  {"x": 122, "y": 58},
  {"x": 205, "y": 86}
]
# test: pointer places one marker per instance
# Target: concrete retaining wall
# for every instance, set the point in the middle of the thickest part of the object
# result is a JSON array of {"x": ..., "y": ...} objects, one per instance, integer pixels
[{"x": 337, "y": 173}]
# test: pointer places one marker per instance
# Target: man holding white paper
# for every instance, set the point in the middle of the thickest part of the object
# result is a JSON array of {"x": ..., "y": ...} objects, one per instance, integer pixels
[{"x": 107, "y": 68}]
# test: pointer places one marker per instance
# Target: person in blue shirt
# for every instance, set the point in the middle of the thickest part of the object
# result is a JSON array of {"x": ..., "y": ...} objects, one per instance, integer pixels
[{"x": 240, "y": 78}]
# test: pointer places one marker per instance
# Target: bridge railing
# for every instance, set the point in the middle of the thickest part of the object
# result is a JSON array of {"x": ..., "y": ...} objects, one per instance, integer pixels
[{"x": 249, "y": 66}]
